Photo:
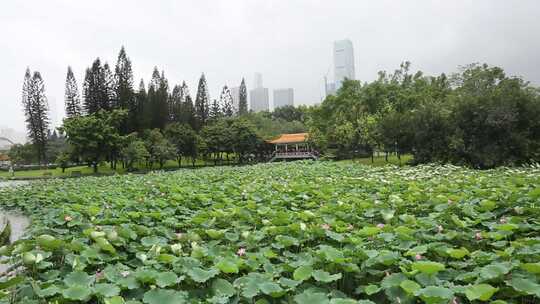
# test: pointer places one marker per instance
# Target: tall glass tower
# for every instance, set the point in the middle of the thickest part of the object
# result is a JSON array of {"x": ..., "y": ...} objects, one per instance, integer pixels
[{"x": 343, "y": 61}]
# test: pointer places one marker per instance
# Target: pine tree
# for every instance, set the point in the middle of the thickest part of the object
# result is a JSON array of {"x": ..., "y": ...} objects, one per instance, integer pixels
[
  {"x": 124, "y": 92},
  {"x": 96, "y": 90},
  {"x": 242, "y": 101},
  {"x": 72, "y": 98},
  {"x": 158, "y": 95},
  {"x": 202, "y": 103},
  {"x": 226, "y": 102},
  {"x": 36, "y": 112},
  {"x": 189, "y": 114},
  {"x": 142, "y": 118},
  {"x": 111, "y": 99},
  {"x": 175, "y": 104},
  {"x": 215, "y": 111}
]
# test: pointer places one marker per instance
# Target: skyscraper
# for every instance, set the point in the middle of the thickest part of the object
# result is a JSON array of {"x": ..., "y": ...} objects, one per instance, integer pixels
[
  {"x": 283, "y": 97},
  {"x": 258, "y": 100},
  {"x": 343, "y": 62},
  {"x": 257, "y": 81},
  {"x": 258, "y": 97}
]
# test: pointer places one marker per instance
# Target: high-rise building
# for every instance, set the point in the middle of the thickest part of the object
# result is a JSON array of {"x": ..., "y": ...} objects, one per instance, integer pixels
[
  {"x": 235, "y": 93},
  {"x": 258, "y": 97},
  {"x": 283, "y": 97},
  {"x": 257, "y": 81},
  {"x": 258, "y": 100},
  {"x": 343, "y": 62}
]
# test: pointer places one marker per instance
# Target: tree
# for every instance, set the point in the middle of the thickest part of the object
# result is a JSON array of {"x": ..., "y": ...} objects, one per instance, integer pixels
[
  {"x": 159, "y": 148},
  {"x": 202, "y": 105},
  {"x": 176, "y": 101},
  {"x": 288, "y": 113},
  {"x": 226, "y": 101},
  {"x": 158, "y": 100},
  {"x": 72, "y": 98},
  {"x": 96, "y": 88},
  {"x": 217, "y": 139},
  {"x": 125, "y": 96},
  {"x": 184, "y": 139},
  {"x": 142, "y": 119},
  {"x": 242, "y": 99},
  {"x": 22, "y": 154},
  {"x": 94, "y": 137},
  {"x": 245, "y": 138},
  {"x": 134, "y": 152},
  {"x": 36, "y": 112},
  {"x": 215, "y": 111},
  {"x": 109, "y": 89}
]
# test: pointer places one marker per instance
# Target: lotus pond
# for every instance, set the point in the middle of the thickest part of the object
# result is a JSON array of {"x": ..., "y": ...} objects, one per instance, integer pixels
[{"x": 304, "y": 232}]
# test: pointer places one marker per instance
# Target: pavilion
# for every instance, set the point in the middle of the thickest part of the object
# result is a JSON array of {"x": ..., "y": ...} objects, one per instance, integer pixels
[{"x": 292, "y": 146}]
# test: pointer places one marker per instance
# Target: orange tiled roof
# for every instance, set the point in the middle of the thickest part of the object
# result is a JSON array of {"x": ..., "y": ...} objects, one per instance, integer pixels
[
  {"x": 4, "y": 157},
  {"x": 290, "y": 138}
]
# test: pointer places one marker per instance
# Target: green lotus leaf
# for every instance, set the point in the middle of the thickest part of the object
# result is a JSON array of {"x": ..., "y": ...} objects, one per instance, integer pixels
[
  {"x": 165, "y": 279},
  {"x": 200, "y": 275},
  {"x": 482, "y": 292},
  {"x": 428, "y": 267},
  {"x": 106, "y": 290},
  {"x": 78, "y": 278},
  {"x": 223, "y": 287},
  {"x": 435, "y": 295},
  {"x": 77, "y": 293},
  {"x": 323, "y": 276},
  {"x": 303, "y": 273},
  {"x": 310, "y": 297},
  {"x": 163, "y": 296}
]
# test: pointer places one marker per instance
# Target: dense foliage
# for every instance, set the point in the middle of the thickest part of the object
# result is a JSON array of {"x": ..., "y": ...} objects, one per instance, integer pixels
[
  {"x": 479, "y": 117},
  {"x": 303, "y": 233}
]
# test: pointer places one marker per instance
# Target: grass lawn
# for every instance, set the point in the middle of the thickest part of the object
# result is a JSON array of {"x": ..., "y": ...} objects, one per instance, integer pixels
[
  {"x": 381, "y": 161},
  {"x": 105, "y": 169}
]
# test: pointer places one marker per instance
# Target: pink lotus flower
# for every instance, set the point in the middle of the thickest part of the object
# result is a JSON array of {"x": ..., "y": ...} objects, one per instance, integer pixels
[
  {"x": 418, "y": 257},
  {"x": 325, "y": 226},
  {"x": 455, "y": 301},
  {"x": 241, "y": 251},
  {"x": 380, "y": 225},
  {"x": 350, "y": 227},
  {"x": 503, "y": 220},
  {"x": 450, "y": 201},
  {"x": 99, "y": 275},
  {"x": 68, "y": 218},
  {"x": 179, "y": 235},
  {"x": 440, "y": 228},
  {"x": 478, "y": 236},
  {"x": 124, "y": 273},
  {"x": 386, "y": 273}
]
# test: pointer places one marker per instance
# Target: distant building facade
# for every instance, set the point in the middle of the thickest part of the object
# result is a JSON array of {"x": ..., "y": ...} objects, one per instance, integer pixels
[
  {"x": 258, "y": 97},
  {"x": 343, "y": 62},
  {"x": 235, "y": 93},
  {"x": 258, "y": 100},
  {"x": 283, "y": 97},
  {"x": 257, "y": 80}
]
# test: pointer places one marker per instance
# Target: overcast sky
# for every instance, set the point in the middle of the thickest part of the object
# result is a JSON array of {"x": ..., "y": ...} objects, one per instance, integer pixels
[{"x": 288, "y": 41}]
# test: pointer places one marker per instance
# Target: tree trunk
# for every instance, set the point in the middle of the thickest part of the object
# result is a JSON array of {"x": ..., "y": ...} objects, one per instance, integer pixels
[{"x": 95, "y": 165}]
